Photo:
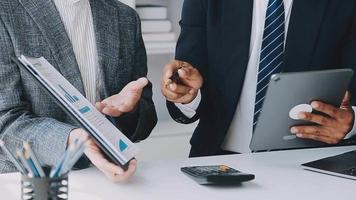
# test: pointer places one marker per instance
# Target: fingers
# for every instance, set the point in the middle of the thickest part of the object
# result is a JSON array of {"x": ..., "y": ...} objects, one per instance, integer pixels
[
  {"x": 184, "y": 73},
  {"x": 190, "y": 81},
  {"x": 319, "y": 119},
  {"x": 180, "y": 89},
  {"x": 136, "y": 86},
  {"x": 77, "y": 134},
  {"x": 125, "y": 101},
  {"x": 100, "y": 106},
  {"x": 169, "y": 69},
  {"x": 125, "y": 175},
  {"x": 112, "y": 111},
  {"x": 170, "y": 95},
  {"x": 315, "y": 133},
  {"x": 330, "y": 110},
  {"x": 176, "y": 97},
  {"x": 140, "y": 83},
  {"x": 111, "y": 171}
]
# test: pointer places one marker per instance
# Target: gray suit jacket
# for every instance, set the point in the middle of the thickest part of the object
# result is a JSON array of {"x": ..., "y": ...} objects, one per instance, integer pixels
[{"x": 34, "y": 28}]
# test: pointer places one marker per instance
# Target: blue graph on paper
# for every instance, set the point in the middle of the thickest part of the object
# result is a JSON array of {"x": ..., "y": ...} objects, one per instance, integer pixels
[
  {"x": 84, "y": 110},
  {"x": 122, "y": 145},
  {"x": 69, "y": 97}
]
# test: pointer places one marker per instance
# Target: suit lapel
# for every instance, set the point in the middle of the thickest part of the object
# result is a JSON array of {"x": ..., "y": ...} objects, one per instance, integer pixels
[
  {"x": 304, "y": 26},
  {"x": 236, "y": 34},
  {"x": 48, "y": 20},
  {"x": 106, "y": 26}
]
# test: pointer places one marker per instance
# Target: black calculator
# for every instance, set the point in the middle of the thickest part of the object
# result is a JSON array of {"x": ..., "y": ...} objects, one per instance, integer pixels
[{"x": 217, "y": 175}]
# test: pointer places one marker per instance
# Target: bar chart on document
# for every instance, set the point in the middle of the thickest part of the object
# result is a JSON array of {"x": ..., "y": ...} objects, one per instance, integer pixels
[{"x": 76, "y": 101}]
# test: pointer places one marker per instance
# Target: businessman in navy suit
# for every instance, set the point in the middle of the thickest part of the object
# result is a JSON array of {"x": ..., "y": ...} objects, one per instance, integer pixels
[{"x": 227, "y": 51}]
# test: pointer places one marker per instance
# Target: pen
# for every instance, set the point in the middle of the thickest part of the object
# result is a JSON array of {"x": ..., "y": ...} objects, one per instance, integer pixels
[
  {"x": 25, "y": 164},
  {"x": 12, "y": 157},
  {"x": 33, "y": 158},
  {"x": 174, "y": 78}
]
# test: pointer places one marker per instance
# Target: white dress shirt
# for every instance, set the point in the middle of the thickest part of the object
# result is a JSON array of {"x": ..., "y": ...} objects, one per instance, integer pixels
[
  {"x": 239, "y": 135},
  {"x": 78, "y": 21}
]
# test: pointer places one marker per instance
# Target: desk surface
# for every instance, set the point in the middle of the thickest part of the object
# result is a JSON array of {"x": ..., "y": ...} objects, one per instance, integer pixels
[{"x": 278, "y": 176}]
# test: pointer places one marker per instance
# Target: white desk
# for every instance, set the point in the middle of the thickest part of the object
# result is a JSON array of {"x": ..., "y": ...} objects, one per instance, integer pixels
[{"x": 278, "y": 176}]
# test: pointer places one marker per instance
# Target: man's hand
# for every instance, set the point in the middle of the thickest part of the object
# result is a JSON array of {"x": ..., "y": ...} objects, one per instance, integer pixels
[
  {"x": 191, "y": 80},
  {"x": 331, "y": 128},
  {"x": 125, "y": 101},
  {"x": 112, "y": 171}
]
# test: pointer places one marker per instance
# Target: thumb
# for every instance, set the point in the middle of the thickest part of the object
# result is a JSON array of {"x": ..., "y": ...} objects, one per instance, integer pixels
[
  {"x": 346, "y": 101},
  {"x": 139, "y": 84},
  {"x": 190, "y": 77},
  {"x": 185, "y": 73}
]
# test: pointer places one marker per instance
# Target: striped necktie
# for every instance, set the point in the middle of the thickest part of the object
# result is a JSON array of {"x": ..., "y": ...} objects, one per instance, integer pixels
[{"x": 272, "y": 51}]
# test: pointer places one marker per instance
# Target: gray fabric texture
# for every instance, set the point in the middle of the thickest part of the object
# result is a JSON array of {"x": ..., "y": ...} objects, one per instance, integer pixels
[{"x": 27, "y": 113}]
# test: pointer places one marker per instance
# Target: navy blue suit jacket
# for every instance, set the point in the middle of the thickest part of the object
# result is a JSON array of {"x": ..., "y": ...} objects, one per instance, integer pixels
[{"x": 215, "y": 38}]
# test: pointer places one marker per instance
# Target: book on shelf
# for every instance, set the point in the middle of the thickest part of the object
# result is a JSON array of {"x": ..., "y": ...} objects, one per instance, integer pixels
[
  {"x": 152, "y": 12},
  {"x": 156, "y": 26},
  {"x": 159, "y": 37}
]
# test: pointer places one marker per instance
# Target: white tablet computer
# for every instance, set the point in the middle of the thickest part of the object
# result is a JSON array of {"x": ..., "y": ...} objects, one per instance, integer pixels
[{"x": 287, "y": 95}]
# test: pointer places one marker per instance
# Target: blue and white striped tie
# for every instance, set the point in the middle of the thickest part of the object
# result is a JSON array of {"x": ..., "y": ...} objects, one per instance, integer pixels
[{"x": 272, "y": 51}]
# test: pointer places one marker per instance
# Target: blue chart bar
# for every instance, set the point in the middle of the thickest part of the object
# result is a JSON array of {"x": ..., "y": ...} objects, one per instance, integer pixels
[
  {"x": 84, "y": 110},
  {"x": 69, "y": 97}
]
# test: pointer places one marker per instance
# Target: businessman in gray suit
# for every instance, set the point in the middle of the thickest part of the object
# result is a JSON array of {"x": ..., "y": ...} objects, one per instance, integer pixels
[{"x": 96, "y": 45}]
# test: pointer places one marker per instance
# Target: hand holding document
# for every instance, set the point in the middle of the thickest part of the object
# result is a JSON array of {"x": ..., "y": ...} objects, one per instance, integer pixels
[
  {"x": 96, "y": 156},
  {"x": 112, "y": 142}
]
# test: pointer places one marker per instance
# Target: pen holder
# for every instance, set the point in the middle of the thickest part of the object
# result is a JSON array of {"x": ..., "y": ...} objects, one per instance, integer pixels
[{"x": 45, "y": 188}]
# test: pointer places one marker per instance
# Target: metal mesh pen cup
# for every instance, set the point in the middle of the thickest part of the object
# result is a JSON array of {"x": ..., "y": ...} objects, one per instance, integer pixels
[{"x": 44, "y": 188}]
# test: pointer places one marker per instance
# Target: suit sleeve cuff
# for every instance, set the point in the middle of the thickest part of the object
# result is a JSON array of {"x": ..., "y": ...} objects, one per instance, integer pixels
[
  {"x": 189, "y": 110},
  {"x": 353, "y": 130}
]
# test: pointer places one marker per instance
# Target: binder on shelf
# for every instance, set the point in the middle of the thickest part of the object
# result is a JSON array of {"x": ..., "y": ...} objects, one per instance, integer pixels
[{"x": 110, "y": 139}]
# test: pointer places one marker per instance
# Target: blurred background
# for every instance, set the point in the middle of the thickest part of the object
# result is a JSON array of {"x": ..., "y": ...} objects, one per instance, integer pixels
[{"x": 160, "y": 28}]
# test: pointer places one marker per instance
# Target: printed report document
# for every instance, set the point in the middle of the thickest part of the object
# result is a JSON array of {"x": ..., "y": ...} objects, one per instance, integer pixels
[{"x": 111, "y": 140}]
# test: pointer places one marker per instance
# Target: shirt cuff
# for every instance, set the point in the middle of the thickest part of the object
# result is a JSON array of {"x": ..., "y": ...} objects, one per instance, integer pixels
[
  {"x": 189, "y": 110},
  {"x": 353, "y": 130}
]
